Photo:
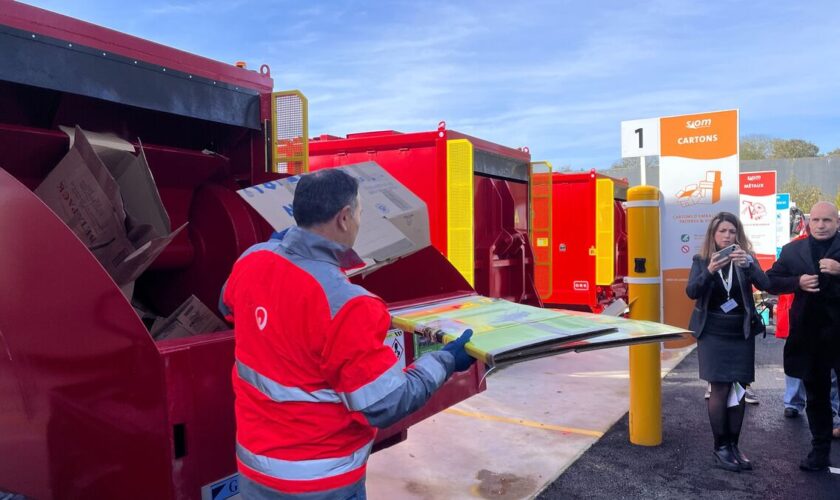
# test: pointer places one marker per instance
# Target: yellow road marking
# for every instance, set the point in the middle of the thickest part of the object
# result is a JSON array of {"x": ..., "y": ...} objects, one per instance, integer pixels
[{"x": 525, "y": 423}]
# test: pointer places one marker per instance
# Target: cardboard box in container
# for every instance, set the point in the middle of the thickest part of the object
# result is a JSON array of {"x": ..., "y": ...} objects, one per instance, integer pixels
[
  {"x": 107, "y": 196},
  {"x": 395, "y": 222},
  {"x": 191, "y": 318}
]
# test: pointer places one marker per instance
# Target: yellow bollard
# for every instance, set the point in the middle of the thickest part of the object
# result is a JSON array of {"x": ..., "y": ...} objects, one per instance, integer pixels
[{"x": 644, "y": 282}]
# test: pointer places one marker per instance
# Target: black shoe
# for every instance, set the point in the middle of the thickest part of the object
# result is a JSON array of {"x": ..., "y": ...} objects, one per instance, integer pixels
[
  {"x": 815, "y": 462},
  {"x": 725, "y": 459},
  {"x": 743, "y": 462},
  {"x": 791, "y": 412}
]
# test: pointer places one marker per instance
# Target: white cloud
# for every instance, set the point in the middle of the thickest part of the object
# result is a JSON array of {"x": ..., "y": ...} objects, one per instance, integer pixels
[{"x": 556, "y": 76}]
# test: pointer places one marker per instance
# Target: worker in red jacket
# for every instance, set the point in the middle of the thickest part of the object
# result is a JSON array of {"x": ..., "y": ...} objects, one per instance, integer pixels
[{"x": 313, "y": 378}]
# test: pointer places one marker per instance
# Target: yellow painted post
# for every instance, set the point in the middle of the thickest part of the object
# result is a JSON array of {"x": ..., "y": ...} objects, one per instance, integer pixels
[{"x": 644, "y": 283}]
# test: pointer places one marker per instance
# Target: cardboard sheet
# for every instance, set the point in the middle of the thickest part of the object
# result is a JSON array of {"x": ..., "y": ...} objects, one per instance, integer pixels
[
  {"x": 107, "y": 196},
  {"x": 394, "y": 220}
]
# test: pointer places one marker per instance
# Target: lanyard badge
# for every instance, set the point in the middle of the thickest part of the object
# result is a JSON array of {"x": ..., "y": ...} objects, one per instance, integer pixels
[{"x": 730, "y": 303}]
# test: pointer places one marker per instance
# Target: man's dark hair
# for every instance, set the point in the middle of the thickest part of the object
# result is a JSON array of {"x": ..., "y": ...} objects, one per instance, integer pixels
[{"x": 322, "y": 194}]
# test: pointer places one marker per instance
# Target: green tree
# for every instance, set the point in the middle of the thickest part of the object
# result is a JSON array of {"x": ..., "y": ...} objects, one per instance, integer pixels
[
  {"x": 804, "y": 195},
  {"x": 834, "y": 152},
  {"x": 756, "y": 147},
  {"x": 793, "y": 148},
  {"x": 633, "y": 163},
  {"x": 626, "y": 163}
]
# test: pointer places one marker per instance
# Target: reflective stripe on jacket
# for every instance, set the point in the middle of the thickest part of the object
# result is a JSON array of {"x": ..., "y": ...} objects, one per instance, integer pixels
[{"x": 313, "y": 378}]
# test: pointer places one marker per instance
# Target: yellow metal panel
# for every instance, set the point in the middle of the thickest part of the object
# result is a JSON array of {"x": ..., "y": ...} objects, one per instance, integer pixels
[
  {"x": 460, "y": 244},
  {"x": 604, "y": 232},
  {"x": 539, "y": 226},
  {"x": 290, "y": 132}
]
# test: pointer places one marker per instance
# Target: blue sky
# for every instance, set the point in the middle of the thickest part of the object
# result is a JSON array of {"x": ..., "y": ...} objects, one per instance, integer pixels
[{"x": 556, "y": 76}]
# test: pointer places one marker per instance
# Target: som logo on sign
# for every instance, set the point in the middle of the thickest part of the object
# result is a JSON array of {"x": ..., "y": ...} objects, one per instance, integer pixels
[
  {"x": 695, "y": 124},
  {"x": 581, "y": 285}
]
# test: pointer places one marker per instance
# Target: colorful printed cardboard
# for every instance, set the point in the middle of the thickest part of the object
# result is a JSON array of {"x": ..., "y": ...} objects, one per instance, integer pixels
[{"x": 505, "y": 332}]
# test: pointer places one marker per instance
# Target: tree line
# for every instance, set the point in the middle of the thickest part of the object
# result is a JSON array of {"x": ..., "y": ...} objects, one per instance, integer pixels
[{"x": 762, "y": 147}]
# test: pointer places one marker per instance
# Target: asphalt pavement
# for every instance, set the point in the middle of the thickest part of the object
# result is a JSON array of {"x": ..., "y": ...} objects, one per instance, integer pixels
[{"x": 682, "y": 466}]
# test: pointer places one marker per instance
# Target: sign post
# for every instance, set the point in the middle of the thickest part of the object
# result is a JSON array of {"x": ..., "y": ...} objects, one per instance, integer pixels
[{"x": 640, "y": 138}]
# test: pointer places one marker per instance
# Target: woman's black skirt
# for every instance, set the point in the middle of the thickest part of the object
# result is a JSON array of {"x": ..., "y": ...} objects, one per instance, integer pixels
[{"x": 723, "y": 353}]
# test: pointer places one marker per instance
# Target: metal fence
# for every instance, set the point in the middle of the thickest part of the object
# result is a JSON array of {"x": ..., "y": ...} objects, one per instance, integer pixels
[{"x": 823, "y": 172}]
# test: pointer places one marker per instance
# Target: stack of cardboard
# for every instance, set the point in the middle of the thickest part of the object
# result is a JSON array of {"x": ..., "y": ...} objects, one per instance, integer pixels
[
  {"x": 191, "y": 318},
  {"x": 106, "y": 195}
]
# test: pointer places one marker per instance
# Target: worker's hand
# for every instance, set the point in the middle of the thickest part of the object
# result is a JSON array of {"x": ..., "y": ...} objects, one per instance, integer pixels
[
  {"x": 463, "y": 361},
  {"x": 717, "y": 262},
  {"x": 830, "y": 266},
  {"x": 740, "y": 258},
  {"x": 809, "y": 283}
]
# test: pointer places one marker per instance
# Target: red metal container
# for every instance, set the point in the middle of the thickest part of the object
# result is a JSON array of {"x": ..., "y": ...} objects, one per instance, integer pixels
[
  {"x": 491, "y": 249},
  {"x": 589, "y": 236},
  {"x": 90, "y": 405}
]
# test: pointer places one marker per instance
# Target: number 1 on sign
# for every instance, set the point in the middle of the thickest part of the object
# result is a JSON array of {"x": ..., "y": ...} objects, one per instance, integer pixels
[{"x": 640, "y": 138}]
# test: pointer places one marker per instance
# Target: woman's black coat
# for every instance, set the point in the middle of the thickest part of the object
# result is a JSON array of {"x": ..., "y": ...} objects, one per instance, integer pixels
[{"x": 700, "y": 287}]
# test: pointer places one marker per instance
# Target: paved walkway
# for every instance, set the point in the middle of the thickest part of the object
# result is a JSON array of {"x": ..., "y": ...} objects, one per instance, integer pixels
[
  {"x": 681, "y": 467},
  {"x": 513, "y": 440}
]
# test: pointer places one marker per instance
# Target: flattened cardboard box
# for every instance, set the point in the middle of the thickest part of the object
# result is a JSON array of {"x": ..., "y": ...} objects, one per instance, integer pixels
[
  {"x": 395, "y": 222},
  {"x": 191, "y": 318},
  {"x": 131, "y": 172},
  {"x": 112, "y": 206}
]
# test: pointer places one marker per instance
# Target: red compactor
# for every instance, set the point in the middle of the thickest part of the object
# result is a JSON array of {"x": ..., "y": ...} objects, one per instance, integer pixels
[
  {"x": 91, "y": 406},
  {"x": 477, "y": 193}
]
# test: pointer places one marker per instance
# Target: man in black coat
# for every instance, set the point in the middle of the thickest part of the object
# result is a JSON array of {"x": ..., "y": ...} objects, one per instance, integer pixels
[{"x": 810, "y": 269}]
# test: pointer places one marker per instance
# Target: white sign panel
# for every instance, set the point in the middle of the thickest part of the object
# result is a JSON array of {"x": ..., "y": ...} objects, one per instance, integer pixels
[
  {"x": 698, "y": 177},
  {"x": 640, "y": 138}
]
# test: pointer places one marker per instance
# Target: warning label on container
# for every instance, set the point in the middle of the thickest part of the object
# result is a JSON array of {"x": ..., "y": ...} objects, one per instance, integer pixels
[{"x": 396, "y": 341}]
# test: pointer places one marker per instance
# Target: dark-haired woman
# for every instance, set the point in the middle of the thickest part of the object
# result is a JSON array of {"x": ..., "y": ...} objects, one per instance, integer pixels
[{"x": 725, "y": 322}]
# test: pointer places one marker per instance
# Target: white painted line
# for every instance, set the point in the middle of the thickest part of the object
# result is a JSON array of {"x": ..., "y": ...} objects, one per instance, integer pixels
[
  {"x": 834, "y": 470},
  {"x": 632, "y": 280}
]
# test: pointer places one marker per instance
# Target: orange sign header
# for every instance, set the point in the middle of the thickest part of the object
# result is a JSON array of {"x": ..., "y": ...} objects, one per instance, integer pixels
[{"x": 705, "y": 136}]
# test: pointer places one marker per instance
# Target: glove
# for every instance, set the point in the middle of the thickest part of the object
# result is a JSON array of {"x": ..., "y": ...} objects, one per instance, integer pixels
[{"x": 463, "y": 361}]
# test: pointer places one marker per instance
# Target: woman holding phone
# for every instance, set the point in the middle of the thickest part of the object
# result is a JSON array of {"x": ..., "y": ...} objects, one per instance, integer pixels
[{"x": 725, "y": 322}]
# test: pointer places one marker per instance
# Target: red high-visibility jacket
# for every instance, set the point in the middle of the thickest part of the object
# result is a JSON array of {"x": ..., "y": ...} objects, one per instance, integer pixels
[
  {"x": 783, "y": 308},
  {"x": 313, "y": 378}
]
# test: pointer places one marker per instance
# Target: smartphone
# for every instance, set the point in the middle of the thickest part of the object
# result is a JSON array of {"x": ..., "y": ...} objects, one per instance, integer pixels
[{"x": 725, "y": 252}]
